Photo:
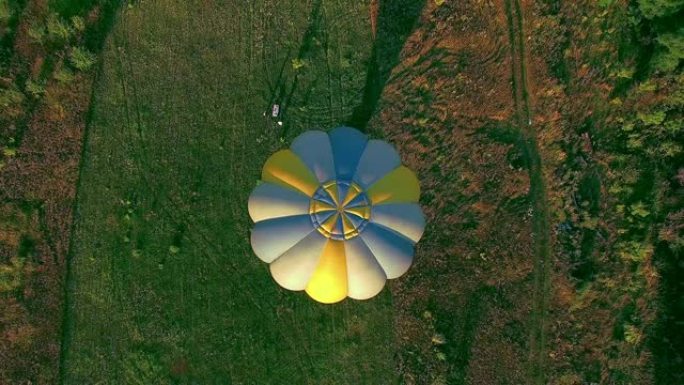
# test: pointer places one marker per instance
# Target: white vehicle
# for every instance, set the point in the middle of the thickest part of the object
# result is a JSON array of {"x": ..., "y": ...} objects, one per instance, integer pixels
[{"x": 275, "y": 110}]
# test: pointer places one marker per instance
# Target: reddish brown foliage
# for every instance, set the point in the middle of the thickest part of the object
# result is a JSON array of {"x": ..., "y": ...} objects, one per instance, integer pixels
[
  {"x": 475, "y": 259},
  {"x": 44, "y": 172}
]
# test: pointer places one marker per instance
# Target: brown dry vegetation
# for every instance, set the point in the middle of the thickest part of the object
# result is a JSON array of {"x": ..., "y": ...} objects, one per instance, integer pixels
[
  {"x": 445, "y": 106},
  {"x": 44, "y": 172},
  {"x": 38, "y": 188},
  {"x": 449, "y": 106},
  {"x": 31, "y": 296},
  {"x": 592, "y": 301}
]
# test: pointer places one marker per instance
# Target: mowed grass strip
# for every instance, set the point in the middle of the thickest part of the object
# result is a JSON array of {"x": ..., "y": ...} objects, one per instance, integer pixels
[{"x": 165, "y": 288}]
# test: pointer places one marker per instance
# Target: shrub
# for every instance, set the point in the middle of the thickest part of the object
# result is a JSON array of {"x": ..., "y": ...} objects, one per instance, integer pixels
[
  {"x": 632, "y": 334},
  {"x": 298, "y": 63},
  {"x": 9, "y": 151},
  {"x": 5, "y": 12},
  {"x": 81, "y": 59},
  {"x": 10, "y": 102},
  {"x": 647, "y": 86},
  {"x": 36, "y": 33},
  {"x": 639, "y": 209},
  {"x": 625, "y": 73},
  {"x": 670, "y": 149},
  {"x": 634, "y": 251},
  {"x": 438, "y": 339},
  {"x": 672, "y": 52},
  {"x": 652, "y": 119},
  {"x": 57, "y": 31},
  {"x": 34, "y": 89},
  {"x": 63, "y": 75},
  {"x": 11, "y": 274},
  {"x": 77, "y": 23},
  {"x": 659, "y": 8}
]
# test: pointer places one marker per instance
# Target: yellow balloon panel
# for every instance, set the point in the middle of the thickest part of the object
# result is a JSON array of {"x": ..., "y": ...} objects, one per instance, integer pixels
[
  {"x": 286, "y": 169},
  {"x": 353, "y": 192},
  {"x": 330, "y": 223},
  {"x": 329, "y": 282},
  {"x": 362, "y": 212},
  {"x": 331, "y": 188},
  {"x": 348, "y": 226},
  {"x": 400, "y": 185}
]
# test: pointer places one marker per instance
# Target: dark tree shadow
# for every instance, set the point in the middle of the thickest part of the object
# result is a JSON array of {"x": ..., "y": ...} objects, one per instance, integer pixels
[
  {"x": 460, "y": 327},
  {"x": 396, "y": 21},
  {"x": 94, "y": 39},
  {"x": 280, "y": 91},
  {"x": 96, "y": 35},
  {"x": 667, "y": 340}
]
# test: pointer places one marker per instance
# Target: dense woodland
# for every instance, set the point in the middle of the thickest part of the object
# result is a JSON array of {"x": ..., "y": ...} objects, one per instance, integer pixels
[
  {"x": 612, "y": 161},
  {"x": 621, "y": 178}
]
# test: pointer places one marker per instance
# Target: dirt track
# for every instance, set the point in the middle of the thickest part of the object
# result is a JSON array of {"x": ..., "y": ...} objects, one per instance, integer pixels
[{"x": 540, "y": 224}]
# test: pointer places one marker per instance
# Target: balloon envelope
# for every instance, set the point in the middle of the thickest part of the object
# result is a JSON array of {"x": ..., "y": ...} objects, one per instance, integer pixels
[{"x": 336, "y": 215}]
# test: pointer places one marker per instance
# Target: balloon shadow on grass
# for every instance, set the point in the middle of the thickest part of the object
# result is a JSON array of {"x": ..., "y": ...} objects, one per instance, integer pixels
[
  {"x": 395, "y": 21},
  {"x": 280, "y": 90}
]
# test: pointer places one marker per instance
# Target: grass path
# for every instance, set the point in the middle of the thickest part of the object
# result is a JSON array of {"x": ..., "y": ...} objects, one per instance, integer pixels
[{"x": 541, "y": 222}]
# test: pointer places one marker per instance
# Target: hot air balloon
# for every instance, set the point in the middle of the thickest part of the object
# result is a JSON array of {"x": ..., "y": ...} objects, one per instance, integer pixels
[{"x": 336, "y": 215}]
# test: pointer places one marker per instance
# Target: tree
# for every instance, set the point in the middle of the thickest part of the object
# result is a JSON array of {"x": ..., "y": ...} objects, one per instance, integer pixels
[
  {"x": 671, "y": 50},
  {"x": 659, "y": 8},
  {"x": 81, "y": 59}
]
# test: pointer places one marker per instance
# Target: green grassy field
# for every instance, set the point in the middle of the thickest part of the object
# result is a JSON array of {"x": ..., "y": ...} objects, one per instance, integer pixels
[{"x": 163, "y": 286}]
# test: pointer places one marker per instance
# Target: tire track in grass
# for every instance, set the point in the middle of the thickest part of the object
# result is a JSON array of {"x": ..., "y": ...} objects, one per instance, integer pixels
[
  {"x": 540, "y": 219},
  {"x": 179, "y": 215}
]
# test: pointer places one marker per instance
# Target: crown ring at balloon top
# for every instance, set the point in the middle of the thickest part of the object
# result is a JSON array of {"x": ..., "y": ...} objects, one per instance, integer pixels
[{"x": 336, "y": 215}]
